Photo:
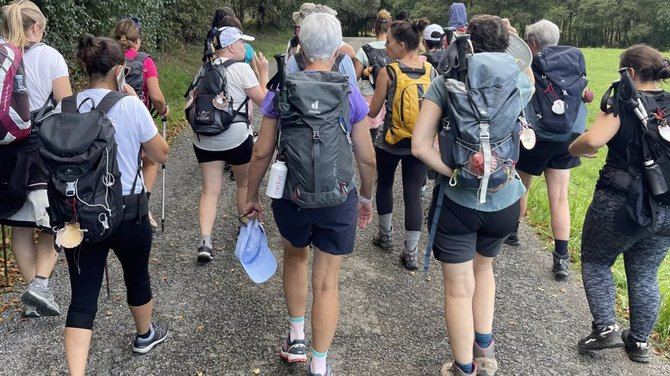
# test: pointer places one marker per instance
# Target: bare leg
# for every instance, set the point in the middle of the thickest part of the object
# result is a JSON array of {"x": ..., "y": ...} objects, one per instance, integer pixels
[
  {"x": 77, "y": 344},
  {"x": 557, "y": 190},
  {"x": 212, "y": 179},
  {"x": 25, "y": 253},
  {"x": 483, "y": 302},
  {"x": 46, "y": 255},
  {"x": 241, "y": 172},
  {"x": 459, "y": 288},
  {"x": 527, "y": 181},
  {"x": 295, "y": 278},
  {"x": 326, "y": 306},
  {"x": 142, "y": 316}
]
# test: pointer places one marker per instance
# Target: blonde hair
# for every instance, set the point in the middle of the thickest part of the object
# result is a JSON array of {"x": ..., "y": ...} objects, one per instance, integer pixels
[
  {"x": 382, "y": 22},
  {"x": 126, "y": 33},
  {"x": 17, "y": 18}
]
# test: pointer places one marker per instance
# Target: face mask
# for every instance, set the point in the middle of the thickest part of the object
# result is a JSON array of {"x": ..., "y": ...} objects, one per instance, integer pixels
[{"x": 121, "y": 80}]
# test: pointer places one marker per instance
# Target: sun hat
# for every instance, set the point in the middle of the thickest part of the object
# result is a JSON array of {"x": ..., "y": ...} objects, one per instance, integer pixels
[
  {"x": 458, "y": 16},
  {"x": 228, "y": 35},
  {"x": 433, "y": 33},
  {"x": 308, "y": 8},
  {"x": 253, "y": 252},
  {"x": 520, "y": 51}
]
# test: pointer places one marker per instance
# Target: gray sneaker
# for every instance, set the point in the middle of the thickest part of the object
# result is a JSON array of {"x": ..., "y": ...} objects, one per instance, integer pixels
[
  {"x": 410, "y": 258},
  {"x": 383, "y": 240},
  {"x": 329, "y": 372},
  {"x": 41, "y": 298},
  {"x": 485, "y": 359},
  {"x": 30, "y": 311},
  {"x": 450, "y": 369}
]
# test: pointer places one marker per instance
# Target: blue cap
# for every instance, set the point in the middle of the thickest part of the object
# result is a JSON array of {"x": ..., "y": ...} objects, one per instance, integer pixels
[
  {"x": 458, "y": 16},
  {"x": 254, "y": 254}
]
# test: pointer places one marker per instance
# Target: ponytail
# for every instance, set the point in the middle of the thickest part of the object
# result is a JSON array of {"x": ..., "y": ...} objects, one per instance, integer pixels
[
  {"x": 648, "y": 63},
  {"x": 382, "y": 22},
  {"x": 406, "y": 32},
  {"x": 17, "y": 18},
  {"x": 126, "y": 32},
  {"x": 663, "y": 69},
  {"x": 99, "y": 55}
]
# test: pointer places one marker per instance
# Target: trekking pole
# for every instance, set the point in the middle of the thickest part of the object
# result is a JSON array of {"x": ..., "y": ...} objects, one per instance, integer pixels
[
  {"x": 4, "y": 255},
  {"x": 164, "y": 121},
  {"x": 109, "y": 295}
]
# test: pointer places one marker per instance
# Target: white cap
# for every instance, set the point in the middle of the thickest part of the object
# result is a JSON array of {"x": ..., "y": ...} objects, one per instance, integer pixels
[
  {"x": 228, "y": 35},
  {"x": 433, "y": 32}
]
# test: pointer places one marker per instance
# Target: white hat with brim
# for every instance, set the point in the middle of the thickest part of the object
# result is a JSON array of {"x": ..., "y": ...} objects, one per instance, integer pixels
[
  {"x": 228, "y": 35},
  {"x": 520, "y": 51},
  {"x": 254, "y": 254}
]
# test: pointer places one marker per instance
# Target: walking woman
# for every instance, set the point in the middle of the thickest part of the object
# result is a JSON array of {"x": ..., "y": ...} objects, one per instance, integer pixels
[
  {"x": 47, "y": 80},
  {"x": 234, "y": 145},
  {"x": 470, "y": 233},
  {"x": 370, "y": 60},
  {"x": 609, "y": 230},
  {"x": 103, "y": 61},
  {"x": 143, "y": 77},
  {"x": 393, "y": 144},
  {"x": 330, "y": 228}
]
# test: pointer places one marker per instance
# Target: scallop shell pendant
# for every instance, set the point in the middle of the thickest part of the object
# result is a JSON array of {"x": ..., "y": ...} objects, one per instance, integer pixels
[
  {"x": 527, "y": 137},
  {"x": 220, "y": 102},
  {"x": 664, "y": 131},
  {"x": 70, "y": 236}
]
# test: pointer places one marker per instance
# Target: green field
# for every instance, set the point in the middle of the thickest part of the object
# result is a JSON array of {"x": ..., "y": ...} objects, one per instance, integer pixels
[{"x": 601, "y": 67}]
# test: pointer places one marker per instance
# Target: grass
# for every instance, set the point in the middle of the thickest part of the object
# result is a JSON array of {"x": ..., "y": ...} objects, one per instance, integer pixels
[{"x": 601, "y": 66}]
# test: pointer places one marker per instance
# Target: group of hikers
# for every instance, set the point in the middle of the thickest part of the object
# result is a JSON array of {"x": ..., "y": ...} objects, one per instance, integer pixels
[{"x": 472, "y": 106}]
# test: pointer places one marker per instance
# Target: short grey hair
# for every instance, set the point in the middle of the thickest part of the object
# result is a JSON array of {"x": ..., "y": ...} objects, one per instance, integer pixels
[
  {"x": 544, "y": 33},
  {"x": 320, "y": 36}
]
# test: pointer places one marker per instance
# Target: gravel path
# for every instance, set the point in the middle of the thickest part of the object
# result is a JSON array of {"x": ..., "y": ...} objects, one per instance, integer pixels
[{"x": 391, "y": 321}]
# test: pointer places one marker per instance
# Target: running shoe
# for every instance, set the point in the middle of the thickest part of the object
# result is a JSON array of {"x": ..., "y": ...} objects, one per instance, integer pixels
[
  {"x": 410, "y": 259},
  {"x": 329, "y": 371},
  {"x": 512, "y": 239},
  {"x": 383, "y": 240},
  {"x": 561, "y": 267},
  {"x": 30, "y": 311},
  {"x": 205, "y": 254},
  {"x": 294, "y": 351},
  {"x": 637, "y": 351},
  {"x": 451, "y": 369},
  {"x": 41, "y": 298},
  {"x": 485, "y": 359},
  {"x": 601, "y": 338},
  {"x": 159, "y": 336}
]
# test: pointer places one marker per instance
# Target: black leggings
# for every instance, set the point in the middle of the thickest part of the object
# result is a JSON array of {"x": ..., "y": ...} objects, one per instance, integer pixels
[
  {"x": 131, "y": 243},
  {"x": 413, "y": 178}
]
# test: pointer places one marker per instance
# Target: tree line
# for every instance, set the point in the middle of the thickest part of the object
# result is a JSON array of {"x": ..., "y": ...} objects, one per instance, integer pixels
[{"x": 165, "y": 23}]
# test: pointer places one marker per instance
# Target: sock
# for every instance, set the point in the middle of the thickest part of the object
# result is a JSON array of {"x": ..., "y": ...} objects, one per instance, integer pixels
[
  {"x": 483, "y": 340},
  {"x": 385, "y": 222},
  {"x": 148, "y": 336},
  {"x": 561, "y": 248},
  {"x": 206, "y": 240},
  {"x": 516, "y": 229},
  {"x": 411, "y": 240},
  {"x": 148, "y": 195},
  {"x": 318, "y": 364},
  {"x": 41, "y": 281},
  {"x": 467, "y": 368},
  {"x": 297, "y": 328}
]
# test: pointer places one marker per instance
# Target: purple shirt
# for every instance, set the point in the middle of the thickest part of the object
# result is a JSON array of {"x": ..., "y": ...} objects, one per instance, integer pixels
[{"x": 358, "y": 108}]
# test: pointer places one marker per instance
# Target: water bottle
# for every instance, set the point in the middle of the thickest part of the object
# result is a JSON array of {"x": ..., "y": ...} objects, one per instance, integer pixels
[
  {"x": 19, "y": 83},
  {"x": 277, "y": 180},
  {"x": 654, "y": 177}
]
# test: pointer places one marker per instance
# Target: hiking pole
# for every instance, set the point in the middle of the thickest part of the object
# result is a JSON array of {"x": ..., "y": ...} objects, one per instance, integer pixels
[
  {"x": 164, "y": 121},
  {"x": 4, "y": 255}
]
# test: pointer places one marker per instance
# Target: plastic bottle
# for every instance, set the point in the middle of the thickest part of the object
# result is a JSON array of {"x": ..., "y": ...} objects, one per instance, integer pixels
[
  {"x": 277, "y": 180},
  {"x": 655, "y": 179},
  {"x": 20, "y": 86}
]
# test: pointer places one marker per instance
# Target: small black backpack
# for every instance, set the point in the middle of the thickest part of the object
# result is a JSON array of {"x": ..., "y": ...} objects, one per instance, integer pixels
[
  {"x": 377, "y": 59},
  {"x": 209, "y": 108},
  {"x": 79, "y": 151},
  {"x": 135, "y": 75}
]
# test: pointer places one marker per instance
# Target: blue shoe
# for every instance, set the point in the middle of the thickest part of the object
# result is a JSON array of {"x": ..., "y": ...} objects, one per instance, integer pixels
[
  {"x": 329, "y": 372},
  {"x": 160, "y": 335},
  {"x": 294, "y": 351}
]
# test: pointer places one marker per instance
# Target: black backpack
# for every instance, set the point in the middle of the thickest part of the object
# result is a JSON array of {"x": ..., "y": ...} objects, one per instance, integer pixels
[
  {"x": 560, "y": 76},
  {"x": 210, "y": 111},
  {"x": 302, "y": 63},
  {"x": 377, "y": 59},
  {"x": 79, "y": 151},
  {"x": 434, "y": 58},
  {"x": 135, "y": 75}
]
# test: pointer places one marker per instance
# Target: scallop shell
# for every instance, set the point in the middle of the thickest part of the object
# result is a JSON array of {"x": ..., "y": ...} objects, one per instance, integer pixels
[
  {"x": 527, "y": 137},
  {"x": 70, "y": 236},
  {"x": 220, "y": 102}
]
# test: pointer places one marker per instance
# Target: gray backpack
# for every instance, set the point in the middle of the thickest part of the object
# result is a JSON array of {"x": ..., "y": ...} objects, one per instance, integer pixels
[
  {"x": 479, "y": 138},
  {"x": 313, "y": 138}
]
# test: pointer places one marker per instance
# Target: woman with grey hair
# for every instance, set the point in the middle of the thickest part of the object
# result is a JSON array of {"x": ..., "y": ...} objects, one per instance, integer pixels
[
  {"x": 330, "y": 227},
  {"x": 559, "y": 71}
]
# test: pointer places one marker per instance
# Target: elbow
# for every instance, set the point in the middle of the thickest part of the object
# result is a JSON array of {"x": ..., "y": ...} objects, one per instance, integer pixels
[
  {"x": 163, "y": 157},
  {"x": 416, "y": 149}
]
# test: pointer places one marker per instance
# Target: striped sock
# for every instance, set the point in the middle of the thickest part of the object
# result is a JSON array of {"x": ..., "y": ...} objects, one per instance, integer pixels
[
  {"x": 297, "y": 328},
  {"x": 318, "y": 364}
]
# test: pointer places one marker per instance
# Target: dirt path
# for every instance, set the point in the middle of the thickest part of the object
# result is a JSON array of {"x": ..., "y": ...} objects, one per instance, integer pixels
[{"x": 391, "y": 321}]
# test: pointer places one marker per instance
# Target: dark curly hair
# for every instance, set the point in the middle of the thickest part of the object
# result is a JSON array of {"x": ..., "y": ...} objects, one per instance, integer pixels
[
  {"x": 488, "y": 34},
  {"x": 99, "y": 55}
]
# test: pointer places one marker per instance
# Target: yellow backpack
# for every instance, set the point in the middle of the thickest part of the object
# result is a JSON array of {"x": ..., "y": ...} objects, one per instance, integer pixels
[{"x": 406, "y": 101}]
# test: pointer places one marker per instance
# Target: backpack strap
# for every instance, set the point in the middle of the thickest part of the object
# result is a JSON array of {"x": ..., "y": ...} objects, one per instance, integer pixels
[
  {"x": 433, "y": 226},
  {"x": 69, "y": 104},
  {"x": 109, "y": 100},
  {"x": 338, "y": 61}
]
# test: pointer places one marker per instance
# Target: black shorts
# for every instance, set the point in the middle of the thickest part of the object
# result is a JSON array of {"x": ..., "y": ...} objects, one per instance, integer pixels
[
  {"x": 332, "y": 230},
  {"x": 462, "y": 232},
  {"x": 546, "y": 154},
  {"x": 238, "y": 156}
]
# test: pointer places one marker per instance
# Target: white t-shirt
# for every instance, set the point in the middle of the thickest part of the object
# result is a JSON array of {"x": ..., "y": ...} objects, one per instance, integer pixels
[
  {"x": 134, "y": 126},
  {"x": 240, "y": 77},
  {"x": 42, "y": 64}
]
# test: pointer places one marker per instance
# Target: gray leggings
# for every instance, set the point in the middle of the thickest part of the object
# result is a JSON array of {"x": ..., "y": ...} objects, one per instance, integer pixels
[{"x": 602, "y": 243}]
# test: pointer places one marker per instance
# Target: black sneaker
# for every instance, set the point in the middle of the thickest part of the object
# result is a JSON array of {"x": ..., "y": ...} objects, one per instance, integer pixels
[
  {"x": 637, "y": 351},
  {"x": 512, "y": 239},
  {"x": 383, "y": 240},
  {"x": 607, "y": 337},
  {"x": 294, "y": 351},
  {"x": 160, "y": 334},
  {"x": 205, "y": 254},
  {"x": 561, "y": 267}
]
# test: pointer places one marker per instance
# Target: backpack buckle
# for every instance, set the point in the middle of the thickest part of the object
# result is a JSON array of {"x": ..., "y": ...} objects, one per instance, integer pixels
[
  {"x": 315, "y": 136},
  {"x": 484, "y": 130},
  {"x": 70, "y": 189}
]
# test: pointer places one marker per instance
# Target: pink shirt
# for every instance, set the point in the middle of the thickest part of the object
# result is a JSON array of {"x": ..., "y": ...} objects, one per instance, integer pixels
[{"x": 149, "y": 71}]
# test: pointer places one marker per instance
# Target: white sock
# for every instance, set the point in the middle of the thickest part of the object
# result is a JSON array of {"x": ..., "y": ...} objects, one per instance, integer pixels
[
  {"x": 318, "y": 364},
  {"x": 297, "y": 328},
  {"x": 385, "y": 222},
  {"x": 411, "y": 239}
]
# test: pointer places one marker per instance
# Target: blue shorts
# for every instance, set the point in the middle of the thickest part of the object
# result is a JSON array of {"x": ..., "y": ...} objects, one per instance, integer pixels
[{"x": 332, "y": 230}]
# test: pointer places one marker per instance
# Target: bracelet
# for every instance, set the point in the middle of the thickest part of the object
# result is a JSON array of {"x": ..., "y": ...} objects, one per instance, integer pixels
[{"x": 364, "y": 200}]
